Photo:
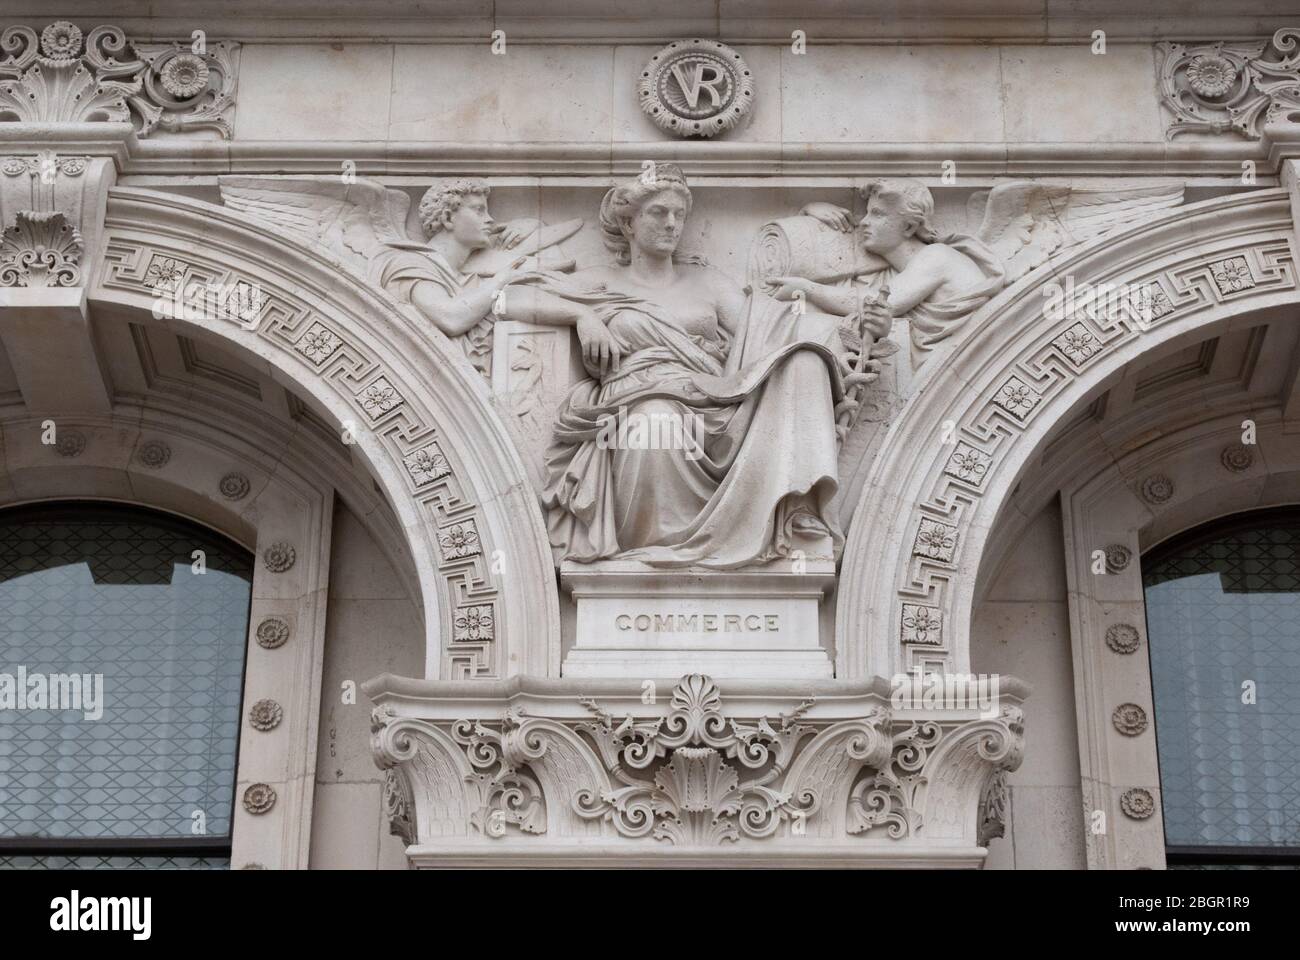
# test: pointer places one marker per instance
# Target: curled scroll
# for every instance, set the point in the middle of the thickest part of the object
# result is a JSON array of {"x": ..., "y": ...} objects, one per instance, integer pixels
[{"x": 806, "y": 247}]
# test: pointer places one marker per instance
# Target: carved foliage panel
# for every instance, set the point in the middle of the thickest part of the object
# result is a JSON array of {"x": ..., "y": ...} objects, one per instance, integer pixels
[{"x": 61, "y": 75}]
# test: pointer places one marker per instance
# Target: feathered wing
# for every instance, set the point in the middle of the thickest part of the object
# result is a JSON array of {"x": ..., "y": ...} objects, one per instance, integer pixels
[
  {"x": 351, "y": 220},
  {"x": 1025, "y": 222}
]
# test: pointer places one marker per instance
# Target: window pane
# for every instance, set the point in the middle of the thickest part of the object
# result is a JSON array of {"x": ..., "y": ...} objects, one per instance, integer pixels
[
  {"x": 1223, "y": 610},
  {"x": 92, "y": 862},
  {"x": 98, "y": 589}
]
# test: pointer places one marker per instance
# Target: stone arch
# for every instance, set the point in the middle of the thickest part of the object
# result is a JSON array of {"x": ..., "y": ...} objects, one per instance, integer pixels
[
  {"x": 423, "y": 421},
  {"x": 982, "y": 408}
]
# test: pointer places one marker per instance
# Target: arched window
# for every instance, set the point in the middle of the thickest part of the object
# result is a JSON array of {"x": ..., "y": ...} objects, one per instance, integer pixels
[
  {"x": 122, "y": 636},
  {"x": 1223, "y": 620}
]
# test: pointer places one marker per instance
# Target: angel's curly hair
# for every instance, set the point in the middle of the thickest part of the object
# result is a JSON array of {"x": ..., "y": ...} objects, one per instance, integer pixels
[
  {"x": 621, "y": 204},
  {"x": 912, "y": 198},
  {"x": 441, "y": 201}
]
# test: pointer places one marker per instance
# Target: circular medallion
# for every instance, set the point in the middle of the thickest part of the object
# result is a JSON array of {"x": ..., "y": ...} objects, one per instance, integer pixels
[
  {"x": 1237, "y": 457},
  {"x": 233, "y": 486},
  {"x": 1137, "y": 803},
  {"x": 265, "y": 715},
  {"x": 70, "y": 443},
  {"x": 259, "y": 798},
  {"x": 155, "y": 454},
  {"x": 696, "y": 88},
  {"x": 1157, "y": 489},
  {"x": 279, "y": 557},
  {"x": 1118, "y": 557},
  {"x": 1129, "y": 719},
  {"x": 272, "y": 632},
  {"x": 1123, "y": 637}
]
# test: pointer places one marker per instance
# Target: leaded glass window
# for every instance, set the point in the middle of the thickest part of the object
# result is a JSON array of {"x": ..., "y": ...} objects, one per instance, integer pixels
[
  {"x": 151, "y": 612},
  {"x": 1223, "y": 619}
]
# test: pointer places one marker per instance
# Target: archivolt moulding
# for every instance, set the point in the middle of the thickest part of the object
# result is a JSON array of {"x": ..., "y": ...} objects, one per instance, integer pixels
[
  {"x": 407, "y": 397},
  {"x": 997, "y": 394}
]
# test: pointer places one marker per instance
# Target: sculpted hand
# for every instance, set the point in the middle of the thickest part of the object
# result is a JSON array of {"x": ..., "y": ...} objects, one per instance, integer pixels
[
  {"x": 876, "y": 319},
  {"x": 787, "y": 287},
  {"x": 599, "y": 348},
  {"x": 513, "y": 274},
  {"x": 514, "y": 232},
  {"x": 831, "y": 215}
]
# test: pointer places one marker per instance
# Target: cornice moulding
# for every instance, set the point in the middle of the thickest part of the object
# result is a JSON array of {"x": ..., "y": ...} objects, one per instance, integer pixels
[
  {"x": 609, "y": 22},
  {"x": 452, "y": 699},
  {"x": 767, "y": 159}
]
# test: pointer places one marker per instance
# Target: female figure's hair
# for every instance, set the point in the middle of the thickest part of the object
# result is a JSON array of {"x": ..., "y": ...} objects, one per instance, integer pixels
[
  {"x": 623, "y": 202},
  {"x": 441, "y": 201},
  {"x": 911, "y": 198}
]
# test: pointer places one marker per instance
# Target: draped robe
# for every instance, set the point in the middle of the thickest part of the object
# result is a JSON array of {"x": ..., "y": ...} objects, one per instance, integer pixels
[{"x": 761, "y": 406}]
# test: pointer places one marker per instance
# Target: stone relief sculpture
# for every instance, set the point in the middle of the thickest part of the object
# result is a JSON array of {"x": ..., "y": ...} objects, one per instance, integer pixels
[
  {"x": 934, "y": 282},
  {"x": 746, "y": 388},
  {"x": 716, "y": 424},
  {"x": 893, "y": 265},
  {"x": 450, "y": 277}
]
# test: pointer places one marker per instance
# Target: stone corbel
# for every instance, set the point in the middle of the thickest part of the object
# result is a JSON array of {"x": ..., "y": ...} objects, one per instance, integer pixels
[
  {"x": 542, "y": 773},
  {"x": 52, "y": 205}
]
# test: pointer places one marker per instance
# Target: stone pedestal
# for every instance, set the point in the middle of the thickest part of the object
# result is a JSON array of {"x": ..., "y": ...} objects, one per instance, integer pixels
[{"x": 635, "y": 620}]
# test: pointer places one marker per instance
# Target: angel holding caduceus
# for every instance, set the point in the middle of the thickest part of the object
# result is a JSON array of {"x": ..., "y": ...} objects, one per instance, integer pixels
[
  {"x": 453, "y": 276},
  {"x": 898, "y": 266}
]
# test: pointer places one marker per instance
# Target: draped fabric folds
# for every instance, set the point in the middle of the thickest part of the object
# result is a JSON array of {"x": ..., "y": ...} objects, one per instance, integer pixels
[{"x": 750, "y": 430}]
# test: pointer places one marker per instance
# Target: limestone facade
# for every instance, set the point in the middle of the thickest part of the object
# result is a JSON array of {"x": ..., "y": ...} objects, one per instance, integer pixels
[{"x": 939, "y": 307}]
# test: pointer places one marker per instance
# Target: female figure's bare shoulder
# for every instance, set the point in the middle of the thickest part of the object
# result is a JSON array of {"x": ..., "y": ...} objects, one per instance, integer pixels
[{"x": 597, "y": 273}]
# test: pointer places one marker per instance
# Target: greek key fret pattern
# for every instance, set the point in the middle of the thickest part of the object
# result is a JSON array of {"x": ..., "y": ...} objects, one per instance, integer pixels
[
  {"x": 295, "y": 327},
  {"x": 1066, "y": 349}
]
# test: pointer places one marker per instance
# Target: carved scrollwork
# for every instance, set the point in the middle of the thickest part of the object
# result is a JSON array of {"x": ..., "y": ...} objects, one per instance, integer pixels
[
  {"x": 1231, "y": 87},
  {"x": 889, "y": 799},
  {"x": 57, "y": 77},
  {"x": 507, "y": 793},
  {"x": 696, "y": 776},
  {"x": 696, "y": 796},
  {"x": 40, "y": 250}
]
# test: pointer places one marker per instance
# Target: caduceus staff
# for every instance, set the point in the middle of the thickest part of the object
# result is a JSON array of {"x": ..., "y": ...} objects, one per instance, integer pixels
[{"x": 862, "y": 367}]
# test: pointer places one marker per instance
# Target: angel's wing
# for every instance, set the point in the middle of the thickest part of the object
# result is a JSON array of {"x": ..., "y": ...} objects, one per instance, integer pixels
[
  {"x": 351, "y": 220},
  {"x": 1024, "y": 222}
]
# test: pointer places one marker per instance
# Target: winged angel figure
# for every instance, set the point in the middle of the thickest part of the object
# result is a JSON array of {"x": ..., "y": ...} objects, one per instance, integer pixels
[
  {"x": 901, "y": 268},
  {"x": 450, "y": 277},
  {"x": 894, "y": 266}
]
